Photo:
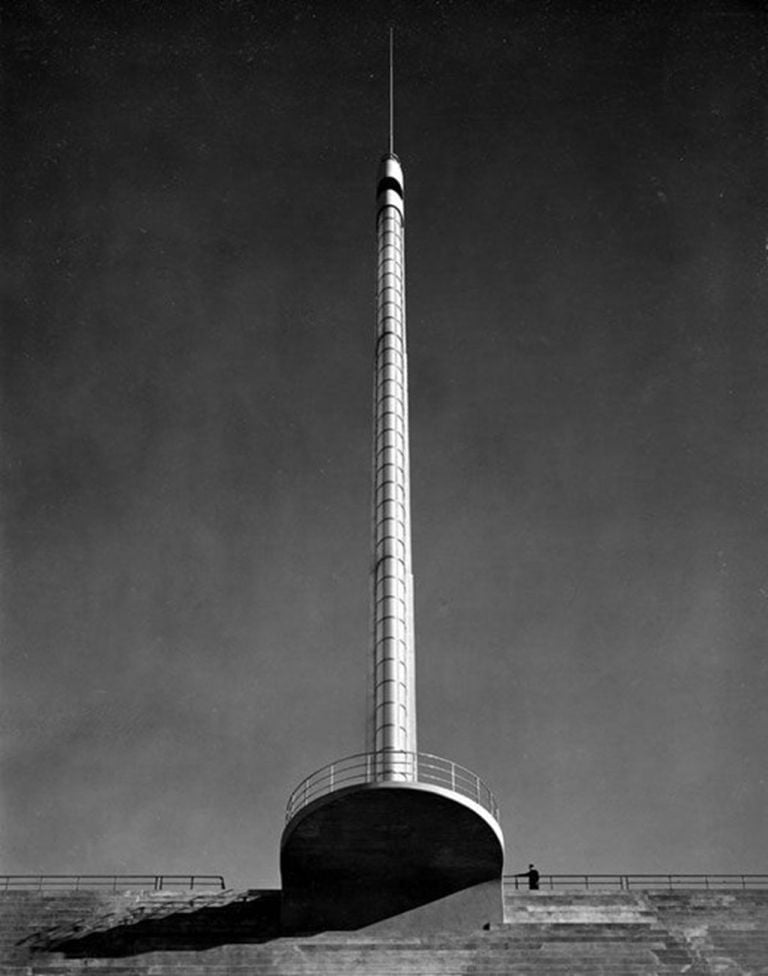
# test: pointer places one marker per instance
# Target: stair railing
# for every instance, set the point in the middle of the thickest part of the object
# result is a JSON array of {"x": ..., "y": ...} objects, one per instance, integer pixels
[
  {"x": 637, "y": 882},
  {"x": 117, "y": 882}
]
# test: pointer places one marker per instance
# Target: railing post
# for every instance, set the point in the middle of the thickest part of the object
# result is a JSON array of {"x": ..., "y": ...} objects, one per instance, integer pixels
[{"x": 330, "y": 776}]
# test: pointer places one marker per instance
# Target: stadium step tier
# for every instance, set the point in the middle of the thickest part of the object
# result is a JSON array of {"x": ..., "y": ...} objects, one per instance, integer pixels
[{"x": 613, "y": 934}]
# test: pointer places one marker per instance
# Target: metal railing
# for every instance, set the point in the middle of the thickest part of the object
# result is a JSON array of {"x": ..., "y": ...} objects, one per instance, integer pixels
[
  {"x": 629, "y": 882},
  {"x": 115, "y": 882},
  {"x": 392, "y": 766}
]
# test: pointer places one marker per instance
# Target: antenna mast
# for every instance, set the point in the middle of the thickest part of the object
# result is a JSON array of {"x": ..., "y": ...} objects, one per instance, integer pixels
[{"x": 391, "y": 92}]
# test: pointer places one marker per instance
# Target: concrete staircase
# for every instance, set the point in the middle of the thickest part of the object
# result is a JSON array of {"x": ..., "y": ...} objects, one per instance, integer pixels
[
  {"x": 544, "y": 934},
  {"x": 577, "y": 908},
  {"x": 25, "y": 913},
  {"x": 728, "y": 929}
]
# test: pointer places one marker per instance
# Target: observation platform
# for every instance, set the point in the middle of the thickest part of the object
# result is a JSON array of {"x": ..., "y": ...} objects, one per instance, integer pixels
[{"x": 375, "y": 835}]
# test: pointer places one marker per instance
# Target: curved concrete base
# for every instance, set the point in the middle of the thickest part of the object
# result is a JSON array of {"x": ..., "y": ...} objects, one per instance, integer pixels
[{"x": 372, "y": 852}]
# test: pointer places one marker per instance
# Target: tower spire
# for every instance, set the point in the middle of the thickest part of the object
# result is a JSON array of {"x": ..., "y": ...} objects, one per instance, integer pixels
[{"x": 391, "y": 91}]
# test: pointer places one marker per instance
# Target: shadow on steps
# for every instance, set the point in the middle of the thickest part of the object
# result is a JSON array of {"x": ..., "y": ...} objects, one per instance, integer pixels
[{"x": 253, "y": 918}]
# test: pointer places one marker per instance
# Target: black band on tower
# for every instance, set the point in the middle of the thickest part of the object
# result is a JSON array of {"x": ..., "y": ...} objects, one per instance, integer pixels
[{"x": 388, "y": 183}]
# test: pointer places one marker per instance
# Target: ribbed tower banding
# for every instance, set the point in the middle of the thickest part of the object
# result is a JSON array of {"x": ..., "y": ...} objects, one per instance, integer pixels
[{"x": 394, "y": 692}]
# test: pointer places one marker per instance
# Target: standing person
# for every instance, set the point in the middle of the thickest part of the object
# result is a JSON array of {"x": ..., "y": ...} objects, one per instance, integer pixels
[{"x": 533, "y": 877}]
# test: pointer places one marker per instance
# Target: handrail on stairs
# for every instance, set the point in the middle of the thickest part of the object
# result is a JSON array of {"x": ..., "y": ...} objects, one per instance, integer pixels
[
  {"x": 117, "y": 882},
  {"x": 636, "y": 882}
]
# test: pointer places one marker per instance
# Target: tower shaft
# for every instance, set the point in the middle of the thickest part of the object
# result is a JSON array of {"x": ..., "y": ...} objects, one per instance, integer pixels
[{"x": 394, "y": 689}]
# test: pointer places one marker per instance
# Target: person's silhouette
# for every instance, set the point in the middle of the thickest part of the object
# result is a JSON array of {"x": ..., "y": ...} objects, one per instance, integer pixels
[{"x": 533, "y": 877}]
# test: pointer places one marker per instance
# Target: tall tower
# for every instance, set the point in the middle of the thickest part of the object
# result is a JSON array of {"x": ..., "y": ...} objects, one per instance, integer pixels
[
  {"x": 393, "y": 716},
  {"x": 394, "y": 680},
  {"x": 380, "y": 833}
]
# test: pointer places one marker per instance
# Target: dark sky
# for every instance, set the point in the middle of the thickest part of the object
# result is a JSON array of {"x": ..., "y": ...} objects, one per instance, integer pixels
[{"x": 189, "y": 315}]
